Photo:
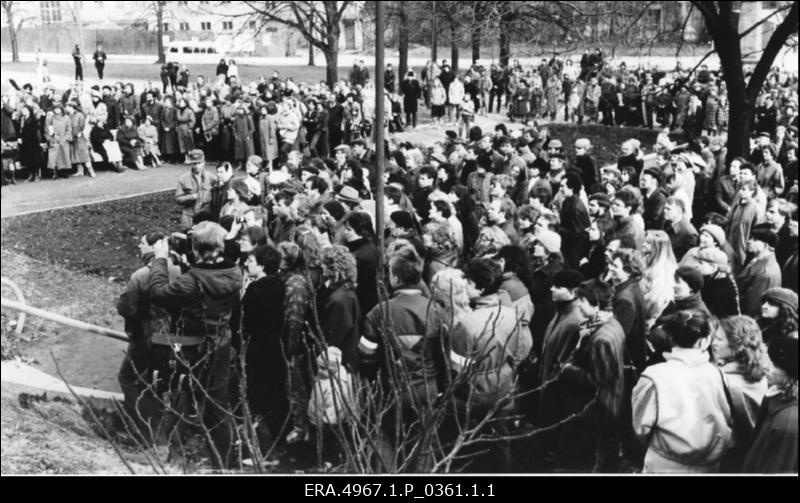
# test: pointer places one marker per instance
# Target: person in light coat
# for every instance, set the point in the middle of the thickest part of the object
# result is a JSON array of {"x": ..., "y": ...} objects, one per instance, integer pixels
[
  {"x": 455, "y": 97},
  {"x": 680, "y": 409},
  {"x": 58, "y": 132},
  {"x": 79, "y": 145}
]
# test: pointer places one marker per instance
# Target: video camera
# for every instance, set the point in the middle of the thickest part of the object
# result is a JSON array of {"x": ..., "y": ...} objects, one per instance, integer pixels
[{"x": 180, "y": 248}]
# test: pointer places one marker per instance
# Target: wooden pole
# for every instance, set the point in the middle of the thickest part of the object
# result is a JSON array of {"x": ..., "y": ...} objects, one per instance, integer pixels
[
  {"x": 379, "y": 136},
  {"x": 63, "y": 320}
]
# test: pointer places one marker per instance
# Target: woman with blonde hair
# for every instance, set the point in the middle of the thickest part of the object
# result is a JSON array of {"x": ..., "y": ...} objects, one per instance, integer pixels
[
  {"x": 659, "y": 274},
  {"x": 739, "y": 352},
  {"x": 449, "y": 290}
]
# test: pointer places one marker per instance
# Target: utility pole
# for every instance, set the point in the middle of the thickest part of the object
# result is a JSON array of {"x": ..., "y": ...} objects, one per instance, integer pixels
[
  {"x": 379, "y": 111},
  {"x": 433, "y": 34}
]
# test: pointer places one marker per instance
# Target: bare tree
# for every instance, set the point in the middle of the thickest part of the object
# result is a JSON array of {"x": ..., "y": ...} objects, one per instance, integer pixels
[
  {"x": 318, "y": 22},
  {"x": 12, "y": 10},
  {"x": 722, "y": 24}
]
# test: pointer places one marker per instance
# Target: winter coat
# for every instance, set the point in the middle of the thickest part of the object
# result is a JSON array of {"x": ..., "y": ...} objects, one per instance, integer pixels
[
  {"x": 149, "y": 137},
  {"x": 79, "y": 148},
  {"x": 654, "y": 209},
  {"x": 188, "y": 184},
  {"x": 289, "y": 126},
  {"x": 629, "y": 308},
  {"x": 30, "y": 152},
  {"x": 560, "y": 341},
  {"x": 58, "y": 156},
  {"x": 129, "y": 107},
  {"x": 455, "y": 92},
  {"x": 154, "y": 111},
  {"x": 682, "y": 235},
  {"x": 210, "y": 123},
  {"x": 680, "y": 411},
  {"x": 367, "y": 257},
  {"x": 574, "y": 221},
  {"x": 243, "y": 130},
  {"x": 746, "y": 397},
  {"x": 126, "y": 137},
  {"x": 626, "y": 227},
  {"x": 758, "y": 276},
  {"x": 169, "y": 134},
  {"x": 721, "y": 295},
  {"x": 416, "y": 346},
  {"x": 262, "y": 327},
  {"x": 411, "y": 91},
  {"x": 542, "y": 298},
  {"x": 268, "y": 137},
  {"x": 738, "y": 224},
  {"x": 142, "y": 317},
  {"x": 205, "y": 296},
  {"x": 774, "y": 449},
  {"x": 185, "y": 123},
  {"x": 489, "y": 339},
  {"x": 340, "y": 318},
  {"x": 597, "y": 369}
]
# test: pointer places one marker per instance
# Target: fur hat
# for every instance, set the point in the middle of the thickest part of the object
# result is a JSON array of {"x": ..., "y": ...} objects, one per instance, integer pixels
[
  {"x": 763, "y": 233},
  {"x": 781, "y": 297}
]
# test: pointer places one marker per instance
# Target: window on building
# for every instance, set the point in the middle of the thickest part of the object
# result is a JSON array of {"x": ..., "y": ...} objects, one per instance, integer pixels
[
  {"x": 205, "y": 25},
  {"x": 183, "y": 26},
  {"x": 165, "y": 26},
  {"x": 50, "y": 12},
  {"x": 251, "y": 24},
  {"x": 653, "y": 19},
  {"x": 227, "y": 25}
]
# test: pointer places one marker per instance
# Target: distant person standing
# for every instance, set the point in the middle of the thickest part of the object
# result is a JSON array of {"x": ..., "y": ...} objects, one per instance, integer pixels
[
  {"x": 100, "y": 60},
  {"x": 78, "y": 58}
]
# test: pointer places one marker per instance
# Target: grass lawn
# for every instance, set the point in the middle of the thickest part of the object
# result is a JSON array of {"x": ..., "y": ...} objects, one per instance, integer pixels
[{"x": 140, "y": 71}]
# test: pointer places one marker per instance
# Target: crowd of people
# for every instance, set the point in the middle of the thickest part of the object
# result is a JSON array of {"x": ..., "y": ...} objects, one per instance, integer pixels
[{"x": 653, "y": 302}]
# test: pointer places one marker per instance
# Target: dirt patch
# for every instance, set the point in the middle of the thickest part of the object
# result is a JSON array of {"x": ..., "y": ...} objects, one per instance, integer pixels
[
  {"x": 97, "y": 239},
  {"x": 53, "y": 437}
]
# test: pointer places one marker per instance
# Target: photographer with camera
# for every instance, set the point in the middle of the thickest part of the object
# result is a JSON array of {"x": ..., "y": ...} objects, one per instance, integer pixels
[{"x": 204, "y": 298}]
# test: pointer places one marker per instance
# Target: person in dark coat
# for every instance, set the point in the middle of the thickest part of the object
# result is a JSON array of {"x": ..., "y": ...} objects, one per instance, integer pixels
[
  {"x": 625, "y": 271},
  {"x": 336, "y": 120},
  {"x": 585, "y": 164},
  {"x": 596, "y": 370},
  {"x": 358, "y": 234},
  {"x": 169, "y": 134},
  {"x": 774, "y": 449},
  {"x": 720, "y": 292},
  {"x": 338, "y": 306},
  {"x": 411, "y": 91},
  {"x": 30, "y": 152},
  {"x": 681, "y": 232},
  {"x": 653, "y": 199},
  {"x": 574, "y": 221},
  {"x": 262, "y": 324},
  {"x": 687, "y": 287},
  {"x": 130, "y": 144},
  {"x": 761, "y": 272}
]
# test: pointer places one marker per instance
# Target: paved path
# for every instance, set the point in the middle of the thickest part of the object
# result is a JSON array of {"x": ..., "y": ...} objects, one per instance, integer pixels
[{"x": 43, "y": 195}]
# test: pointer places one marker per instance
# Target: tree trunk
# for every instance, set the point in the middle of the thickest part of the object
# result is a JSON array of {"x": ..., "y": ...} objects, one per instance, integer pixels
[
  {"x": 12, "y": 34},
  {"x": 505, "y": 47},
  {"x": 160, "y": 32},
  {"x": 331, "y": 65},
  {"x": 310, "y": 55},
  {"x": 739, "y": 128},
  {"x": 402, "y": 49},
  {"x": 435, "y": 37},
  {"x": 476, "y": 44},
  {"x": 454, "y": 49}
]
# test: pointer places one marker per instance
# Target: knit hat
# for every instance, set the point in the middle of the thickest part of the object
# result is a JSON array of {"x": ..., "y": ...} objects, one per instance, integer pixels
[
  {"x": 568, "y": 278},
  {"x": 691, "y": 276},
  {"x": 781, "y": 297},
  {"x": 716, "y": 232},
  {"x": 763, "y": 232},
  {"x": 602, "y": 199},
  {"x": 554, "y": 143},
  {"x": 278, "y": 177},
  {"x": 550, "y": 240},
  {"x": 783, "y": 353},
  {"x": 402, "y": 219}
]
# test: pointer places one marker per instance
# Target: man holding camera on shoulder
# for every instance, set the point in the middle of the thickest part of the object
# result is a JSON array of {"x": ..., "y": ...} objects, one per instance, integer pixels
[{"x": 203, "y": 299}]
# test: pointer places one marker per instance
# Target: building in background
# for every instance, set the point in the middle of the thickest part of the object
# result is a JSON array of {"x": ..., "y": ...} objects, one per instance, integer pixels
[{"x": 131, "y": 28}]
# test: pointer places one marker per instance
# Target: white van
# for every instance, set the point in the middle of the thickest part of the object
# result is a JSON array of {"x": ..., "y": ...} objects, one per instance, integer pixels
[{"x": 193, "y": 52}]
